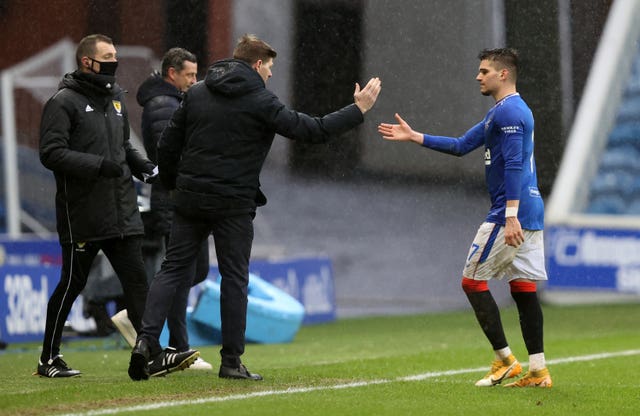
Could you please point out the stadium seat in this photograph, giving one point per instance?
(634, 207)
(625, 133)
(633, 86)
(607, 204)
(634, 191)
(620, 158)
(629, 109)
(612, 183)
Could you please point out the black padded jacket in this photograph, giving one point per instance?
(84, 123)
(159, 100)
(213, 149)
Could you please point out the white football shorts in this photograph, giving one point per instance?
(491, 258)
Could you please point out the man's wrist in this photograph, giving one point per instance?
(511, 212)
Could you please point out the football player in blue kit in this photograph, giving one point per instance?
(509, 243)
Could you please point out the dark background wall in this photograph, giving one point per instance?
(328, 42)
(587, 22)
(424, 54)
(533, 28)
(203, 26)
(332, 47)
(396, 231)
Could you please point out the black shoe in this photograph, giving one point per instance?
(55, 368)
(139, 364)
(240, 373)
(169, 360)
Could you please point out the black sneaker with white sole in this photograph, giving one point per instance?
(54, 368)
(170, 360)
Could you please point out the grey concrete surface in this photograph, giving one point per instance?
(396, 248)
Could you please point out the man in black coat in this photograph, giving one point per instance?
(160, 95)
(84, 140)
(212, 153)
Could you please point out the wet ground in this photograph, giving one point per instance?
(395, 247)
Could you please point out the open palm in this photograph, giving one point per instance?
(398, 132)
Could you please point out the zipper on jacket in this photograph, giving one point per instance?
(117, 187)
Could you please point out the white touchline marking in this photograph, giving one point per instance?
(294, 390)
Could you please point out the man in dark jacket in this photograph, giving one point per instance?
(212, 153)
(160, 95)
(84, 140)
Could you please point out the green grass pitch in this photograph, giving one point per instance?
(400, 365)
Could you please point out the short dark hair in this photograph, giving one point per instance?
(174, 58)
(87, 46)
(250, 49)
(506, 57)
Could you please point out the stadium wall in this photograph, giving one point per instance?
(593, 256)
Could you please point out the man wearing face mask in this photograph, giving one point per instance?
(84, 140)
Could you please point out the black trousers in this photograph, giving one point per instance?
(125, 256)
(177, 318)
(233, 237)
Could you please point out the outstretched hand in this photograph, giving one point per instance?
(366, 98)
(401, 132)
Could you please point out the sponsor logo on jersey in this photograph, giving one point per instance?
(487, 157)
(511, 129)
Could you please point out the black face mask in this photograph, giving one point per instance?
(106, 68)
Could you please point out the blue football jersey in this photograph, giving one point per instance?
(510, 170)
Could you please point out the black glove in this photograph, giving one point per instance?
(149, 168)
(151, 175)
(109, 169)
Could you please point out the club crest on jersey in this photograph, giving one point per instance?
(80, 246)
(118, 106)
(487, 157)
(487, 123)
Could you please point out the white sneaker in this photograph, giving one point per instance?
(200, 364)
(124, 325)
